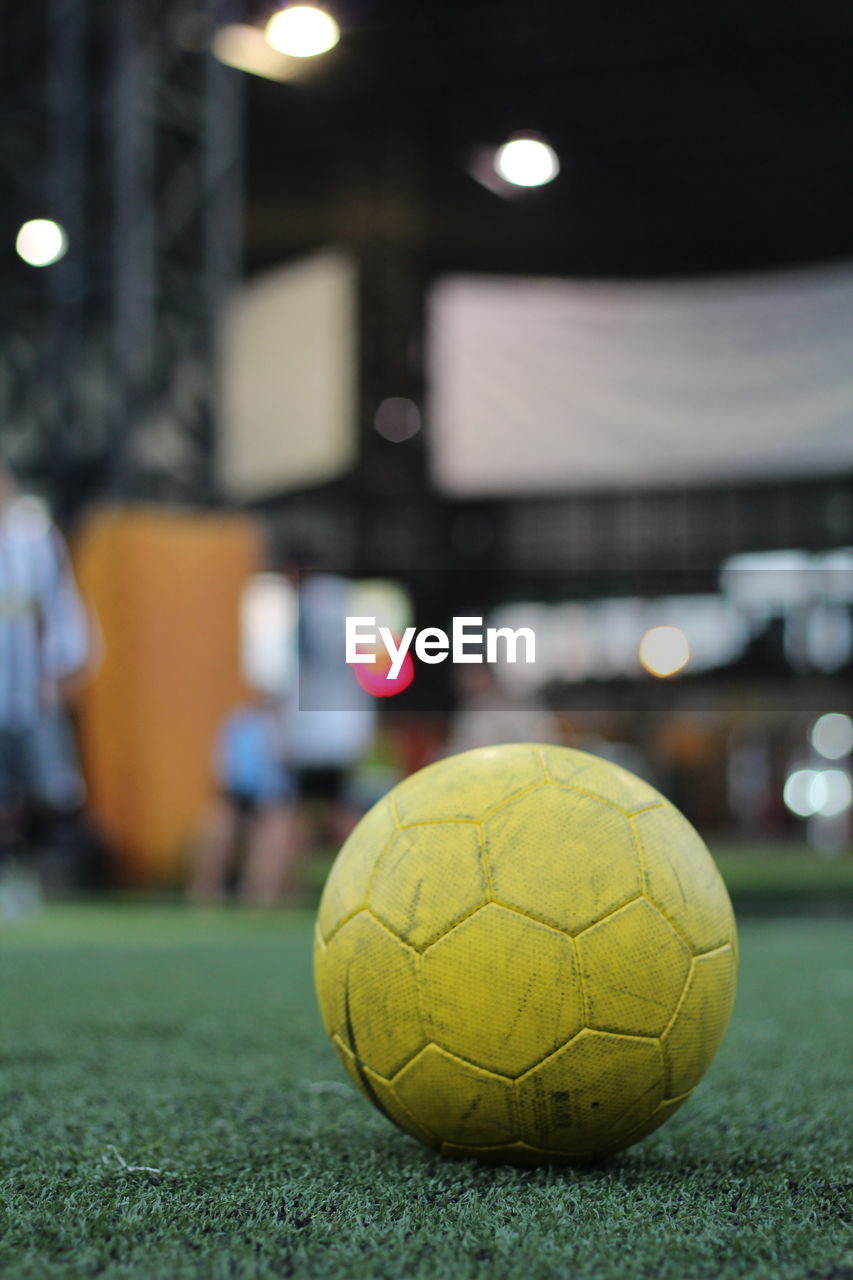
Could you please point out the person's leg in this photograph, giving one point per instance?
(54, 778)
(55, 793)
(276, 844)
(11, 832)
(329, 788)
(20, 890)
(213, 850)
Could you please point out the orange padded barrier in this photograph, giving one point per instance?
(165, 588)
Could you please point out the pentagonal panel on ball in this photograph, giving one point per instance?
(682, 878)
(634, 967)
(431, 877)
(565, 858)
(501, 990)
(466, 786)
(601, 778)
(367, 988)
(455, 1100)
(590, 1092)
(346, 887)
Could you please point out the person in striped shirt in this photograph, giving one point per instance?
(45, 644)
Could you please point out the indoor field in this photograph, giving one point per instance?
(172, 1107)
(426, 640)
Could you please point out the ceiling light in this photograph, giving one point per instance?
(302, 31)
(527, 162)
(41, 241)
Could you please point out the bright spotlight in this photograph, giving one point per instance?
(832, 735)
(302, 31)
(41, 241)
(526, 162)
(664, 650)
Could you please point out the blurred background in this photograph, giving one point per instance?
(541, 313)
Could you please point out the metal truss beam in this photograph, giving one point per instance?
(128, 132)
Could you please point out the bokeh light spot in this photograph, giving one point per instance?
(798, 792)
(831, 793)
(828, 792)
(41, 241)
(397, 419)
(832, 735)
(664, 651)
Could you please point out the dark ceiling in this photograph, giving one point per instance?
(693, 138)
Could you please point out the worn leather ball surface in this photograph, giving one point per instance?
(525, 953)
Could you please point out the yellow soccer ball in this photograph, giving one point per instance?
(525, 953)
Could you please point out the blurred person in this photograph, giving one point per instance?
(285, 764)
(328, 720)
(45, 651)
(253, 804)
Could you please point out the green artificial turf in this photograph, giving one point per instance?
(189, 1043)
(785, 873)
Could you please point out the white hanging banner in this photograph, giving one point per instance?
(289, 377)
(546, 385)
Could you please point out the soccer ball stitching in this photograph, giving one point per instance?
(591, 1025)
